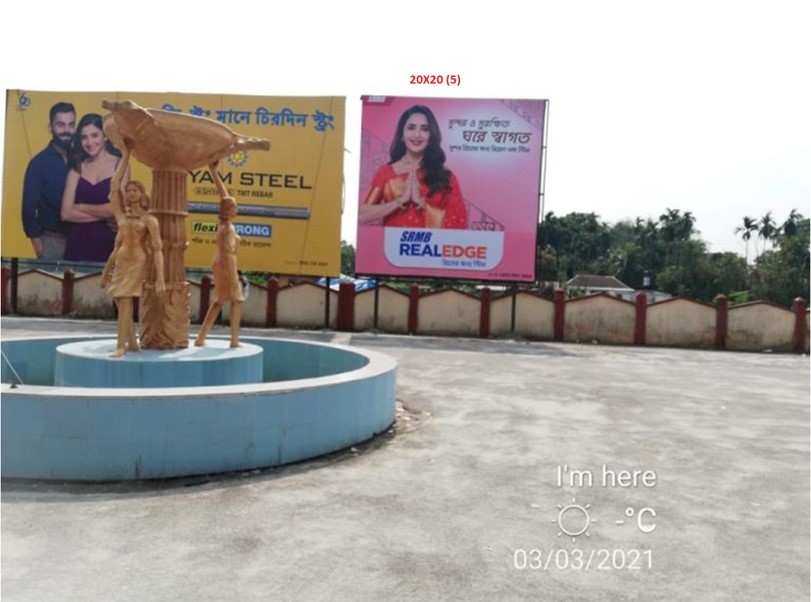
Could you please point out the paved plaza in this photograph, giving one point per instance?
(515, 471)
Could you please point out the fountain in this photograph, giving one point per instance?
(312, 399)
(70, 411)
(171, 144)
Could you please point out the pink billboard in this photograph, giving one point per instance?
(449, 187)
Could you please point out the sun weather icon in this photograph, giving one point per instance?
(573, 520)
(237, 159)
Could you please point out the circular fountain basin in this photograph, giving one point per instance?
(313, 398)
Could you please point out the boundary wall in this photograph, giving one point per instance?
(598, 318)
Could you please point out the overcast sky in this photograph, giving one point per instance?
(699, 106)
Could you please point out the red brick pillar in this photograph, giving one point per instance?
(413, 308)
(721, 321)
(560, 314)
(346, 306)
(273, 295)
(800, 325)
(205, 296)
(640, 327)
(6, 278)
(67, 291)
(484, 317)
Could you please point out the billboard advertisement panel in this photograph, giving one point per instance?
(289, 197)
(449, 187)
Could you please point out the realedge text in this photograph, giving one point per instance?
(418, 244)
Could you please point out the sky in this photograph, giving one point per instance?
(697, 106)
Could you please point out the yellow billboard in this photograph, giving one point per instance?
(289, 197)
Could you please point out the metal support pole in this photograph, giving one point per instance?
(326, 304)
(377, 302)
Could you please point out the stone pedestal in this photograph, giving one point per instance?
(88, 364)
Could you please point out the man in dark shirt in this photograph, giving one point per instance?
(44, 184)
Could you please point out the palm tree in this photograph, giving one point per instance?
(676, 229)
(790, 225)
(749, 226)
(677, 225)
(768, 229)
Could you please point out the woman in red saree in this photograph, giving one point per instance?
(414, 189)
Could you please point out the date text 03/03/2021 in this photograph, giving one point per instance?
(576, 559)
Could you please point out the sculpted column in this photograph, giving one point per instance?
(165, 319)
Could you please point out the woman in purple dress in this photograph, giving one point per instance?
(85, 203)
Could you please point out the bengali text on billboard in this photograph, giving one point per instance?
(289, 197)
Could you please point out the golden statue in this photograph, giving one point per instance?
(170, 144)
(138, 240)
(227, 285)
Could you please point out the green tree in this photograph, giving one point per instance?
(749, 226)
(681, 251)
(724, 274)
(688, 273)
(578, 240)
(677, 226)
(789, 227)
(767, 229)
(670, 249)
(781, 275)
(636, 248)
(547, 261)
(347, 258)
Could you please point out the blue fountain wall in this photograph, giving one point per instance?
(316, 399)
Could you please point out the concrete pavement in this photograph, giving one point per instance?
(503, 479)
